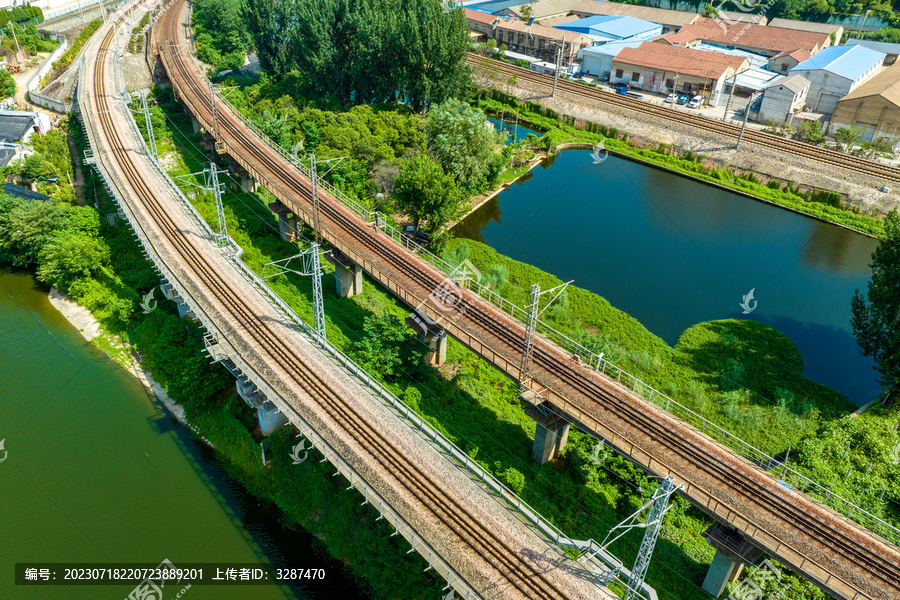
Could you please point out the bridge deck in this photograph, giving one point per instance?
(826, 547)
(485, 544)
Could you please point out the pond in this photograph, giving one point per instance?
(673, 252)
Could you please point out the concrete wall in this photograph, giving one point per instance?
(825, 89)
(34, 83)
(877, 116)
(779, 102)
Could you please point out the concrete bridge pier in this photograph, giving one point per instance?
(289, 225)
(348, 274)
(433, 336)
(249, 184)
(269, 417)
(183, 309)
(550, 437)
(195, 124)
(733, 552)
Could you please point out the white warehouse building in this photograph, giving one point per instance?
(835, 72)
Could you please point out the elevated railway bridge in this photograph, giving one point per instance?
(780, 513)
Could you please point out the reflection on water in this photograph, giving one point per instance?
(672, 253)
(97, 471)
(514, 132)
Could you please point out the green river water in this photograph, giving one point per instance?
(96, 470)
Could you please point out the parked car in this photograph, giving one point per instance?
(695, 102)
(671, 98)
(417, 235)
(684, 98)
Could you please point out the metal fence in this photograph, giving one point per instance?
(785, 473)
(614, 569)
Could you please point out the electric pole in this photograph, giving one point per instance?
(559, 55)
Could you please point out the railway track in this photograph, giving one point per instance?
(868, 560)
(593, 97)
(519, 574)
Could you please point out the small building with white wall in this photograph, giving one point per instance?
(598, 60)
(835, 72)
(784, 98)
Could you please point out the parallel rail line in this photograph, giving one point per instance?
(519, 573)
(865, 561)
(599, 97)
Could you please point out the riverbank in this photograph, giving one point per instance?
(91, 330)
(862, 190)
(562, 130)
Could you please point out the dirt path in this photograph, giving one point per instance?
(22, 78)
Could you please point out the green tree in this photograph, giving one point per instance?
(876, 317)
(460, 141)
(710, 11)
(25, 226)
(526, 11)
(387, 345)
(809, 132)
(70, 255)
(7, 84)
(423, 192)
(848, 136)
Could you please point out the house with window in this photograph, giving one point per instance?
(766, 41)
(662, 69)
(526, 37)
(784, 98)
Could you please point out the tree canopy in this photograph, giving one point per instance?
(364, 51)
(876, 317)
(222, 36)
(460, 140)
(424, 193)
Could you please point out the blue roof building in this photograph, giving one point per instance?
(492, 6)
(606, 28)
(835, 72)
(598, 60)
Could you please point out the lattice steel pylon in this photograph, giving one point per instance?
(653, 524)
(528, 351)
(315, 198)
(150, 136)
(315, 269)
(213, 185)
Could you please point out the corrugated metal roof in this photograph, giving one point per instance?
(850, 62)
(756, 79)
(610, 49)
(607, 26)
(886, 47)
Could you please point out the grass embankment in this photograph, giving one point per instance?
(63, 62)
(560, 129)
(585, 492)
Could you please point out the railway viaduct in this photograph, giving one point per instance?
(780, 514)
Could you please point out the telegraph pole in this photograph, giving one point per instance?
(744, 124)
(151, 138)
(559, 55)
(315, 198)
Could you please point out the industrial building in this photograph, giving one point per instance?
(784, 99)
(874, 107)
(830, 28)
(540, 41)
(661, 68)
(835, 72)
(605, 28)
(598, 60)
(765, 41)
(888, 48)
